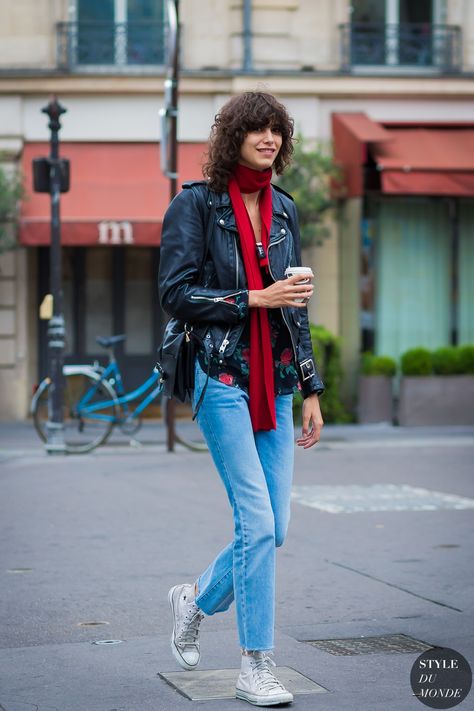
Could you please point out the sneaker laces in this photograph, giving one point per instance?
(265, 678)
(190, 630)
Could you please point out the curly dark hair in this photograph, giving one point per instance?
(246, 112)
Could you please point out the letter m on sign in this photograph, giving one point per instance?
(111, 232)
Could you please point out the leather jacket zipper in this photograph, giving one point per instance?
(215, 299)
(277, 241)
(224, 345)
(236, 264)
(225, 341)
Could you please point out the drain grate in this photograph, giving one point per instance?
(220, 683)
(383, 644)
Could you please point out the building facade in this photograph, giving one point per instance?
(397, 268)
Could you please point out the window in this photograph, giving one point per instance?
(114, 33)
(400, 33)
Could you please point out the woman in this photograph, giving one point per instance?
(256, 351)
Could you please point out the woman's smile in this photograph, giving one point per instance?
(260, 148)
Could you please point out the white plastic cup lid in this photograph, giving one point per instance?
(300, 271)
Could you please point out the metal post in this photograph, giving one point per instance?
(247, 35)
(169, 148)
(56, 331)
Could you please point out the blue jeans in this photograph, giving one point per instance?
(257, 471)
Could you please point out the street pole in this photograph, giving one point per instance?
(169, 146)
(56, 330)
(247, 65)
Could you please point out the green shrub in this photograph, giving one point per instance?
(327, 351)
(446, 360)
(466, 359)
(416, 361)
(377, 365)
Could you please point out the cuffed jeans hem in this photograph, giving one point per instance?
(202, 604)
(213, 595)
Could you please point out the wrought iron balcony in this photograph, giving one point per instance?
(412, 46)
(109, 45)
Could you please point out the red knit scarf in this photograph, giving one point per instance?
(261, 386)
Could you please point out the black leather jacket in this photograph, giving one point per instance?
(210, 306)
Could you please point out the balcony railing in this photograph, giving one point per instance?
(105, 45)
(412, 46)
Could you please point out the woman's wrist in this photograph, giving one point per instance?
(255, 299)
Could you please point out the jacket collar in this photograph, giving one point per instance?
(226, 217)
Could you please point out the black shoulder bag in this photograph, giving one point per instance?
(177, 353)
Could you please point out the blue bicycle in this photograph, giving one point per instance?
(95, 401)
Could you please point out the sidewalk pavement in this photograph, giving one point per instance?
(380, 543)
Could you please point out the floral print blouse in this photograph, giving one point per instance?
(234, 370)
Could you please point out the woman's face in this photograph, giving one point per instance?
(260, 148)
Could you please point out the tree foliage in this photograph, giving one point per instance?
(311, 179)
(11, 192)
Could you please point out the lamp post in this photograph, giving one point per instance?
(56, 330)
(169, 146)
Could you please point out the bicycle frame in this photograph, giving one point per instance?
(112, 372)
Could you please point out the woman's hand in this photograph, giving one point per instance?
(312, 422)
(282, 293)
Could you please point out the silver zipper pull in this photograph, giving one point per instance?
(223, 346)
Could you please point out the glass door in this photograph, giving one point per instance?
(96, 32)
(145, 31)
(368, 18)
(416, 36)
(393, 32)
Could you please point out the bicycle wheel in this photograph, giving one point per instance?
(86, 423)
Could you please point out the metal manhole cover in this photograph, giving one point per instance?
(220, 683)
(384, 644)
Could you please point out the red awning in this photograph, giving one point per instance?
(352, 132)
(118, 193)
(427, 161)
(424, 160)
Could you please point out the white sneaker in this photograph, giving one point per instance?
(186, 620)
(257, 684)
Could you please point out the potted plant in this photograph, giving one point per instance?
(375, 398)
(437, 388)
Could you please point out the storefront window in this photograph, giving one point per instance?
(68, 299)
(98, 296)
(367, 278)
(138, 304)
(413, 275)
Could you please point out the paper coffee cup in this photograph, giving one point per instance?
(306, 274)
